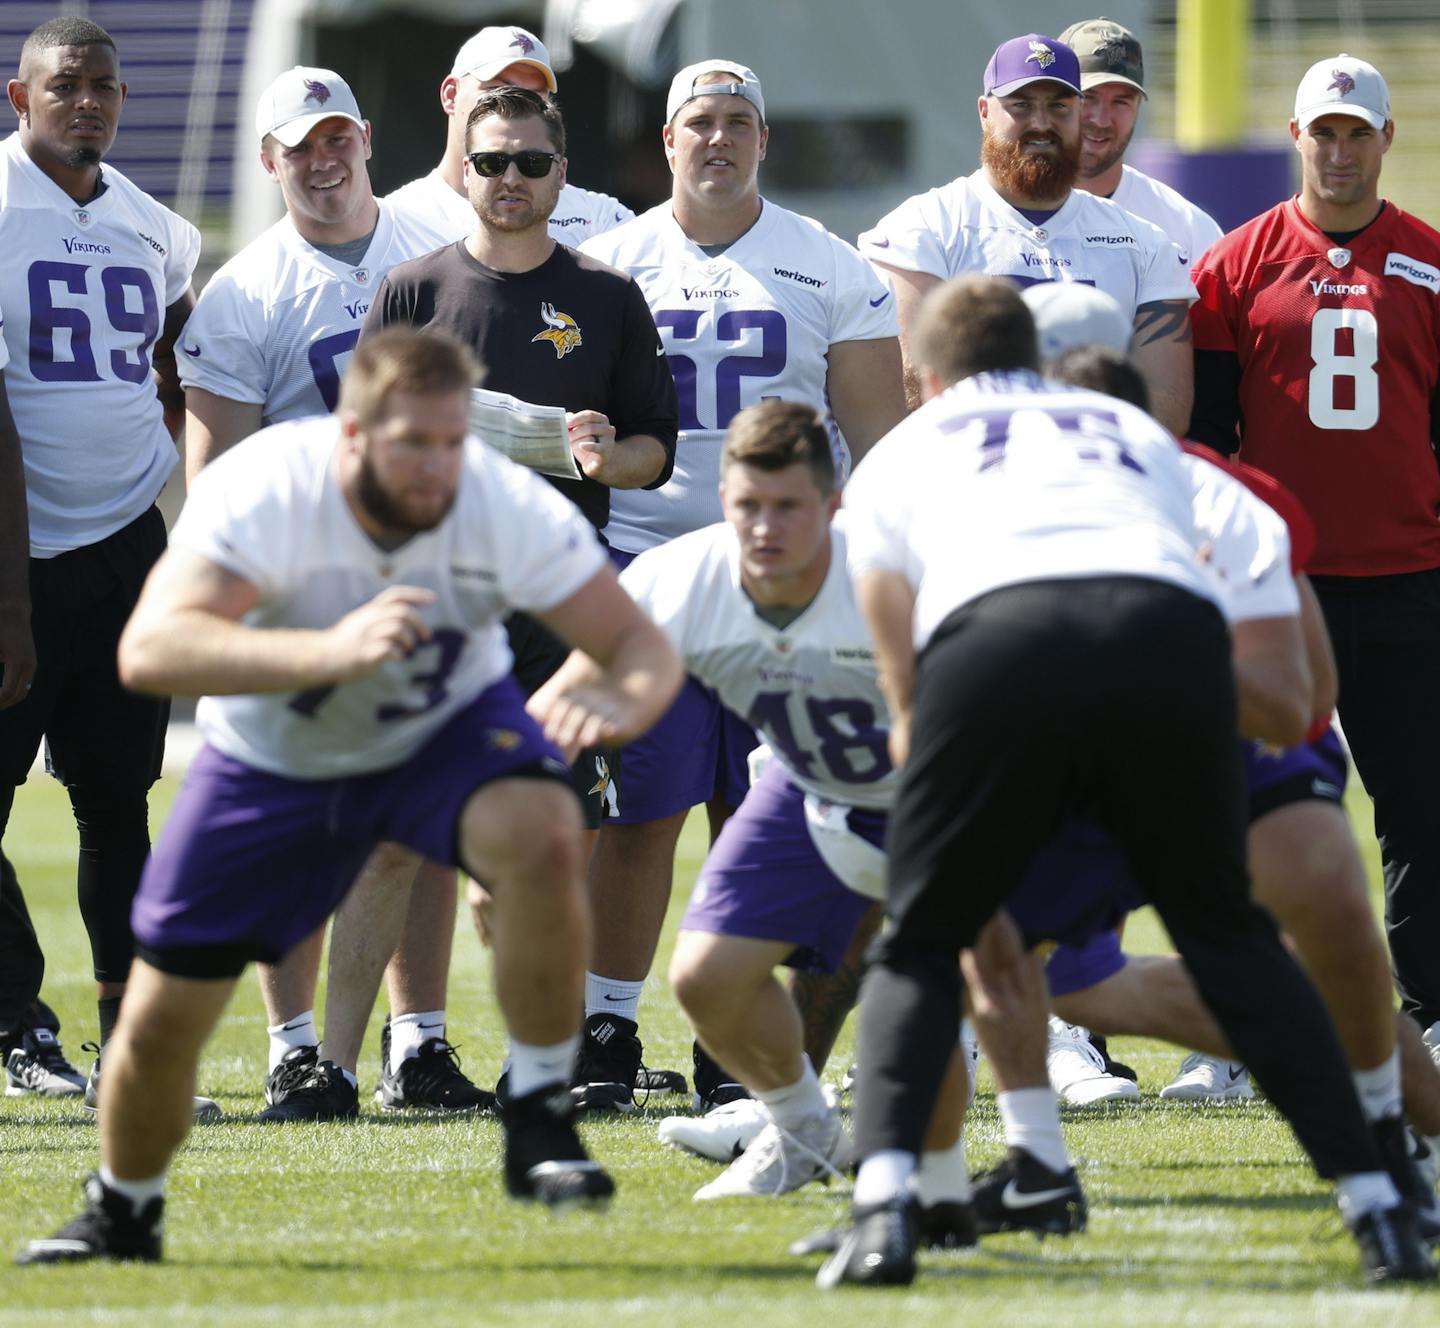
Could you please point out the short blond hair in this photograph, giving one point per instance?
(404, 359)
(775, 435)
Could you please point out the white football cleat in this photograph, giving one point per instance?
(779, 1161)
(1077, 1069)
(721, 1134)
(1205, 1079)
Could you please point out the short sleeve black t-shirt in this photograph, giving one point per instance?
(571, 332)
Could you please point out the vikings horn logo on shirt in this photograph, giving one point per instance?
(561, 331)
(1344, 83)
(1041, 54)
(316, 91)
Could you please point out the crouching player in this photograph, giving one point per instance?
(334, 588)
(761, 610)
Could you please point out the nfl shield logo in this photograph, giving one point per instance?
(361, 275)
(1339, 257)
(82, 216)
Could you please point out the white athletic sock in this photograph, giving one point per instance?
(883, 1176)
(1379, 1088)
(796, 1102)
(1032, 1122)
(943, 1176)
(297, 1032)
(139, 1192)
(409, 1031)
(611, 996)
(532, 1068)
(1364, 1192)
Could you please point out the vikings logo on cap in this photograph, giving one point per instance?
(521, 39)
(1344, 83)
(316, 91)
(561, 331)
(1041, 54)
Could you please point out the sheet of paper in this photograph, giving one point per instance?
(535, 436)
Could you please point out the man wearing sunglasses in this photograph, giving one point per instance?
(495, 57)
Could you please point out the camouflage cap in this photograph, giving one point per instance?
(1109, 53)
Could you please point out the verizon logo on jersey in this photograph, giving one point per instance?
(1337, 288)
(1413, 270)
(800, 277)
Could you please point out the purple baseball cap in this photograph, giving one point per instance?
(1031, 59)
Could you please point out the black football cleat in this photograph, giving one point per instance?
(878, 1248)
(1023, 1194)
(109, 1228)
(544, 1158)
(322, 1094)
(1391, 1247)
(948, 1225)
(432, 1081)
(608, 1064)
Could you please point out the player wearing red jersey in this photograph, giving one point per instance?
(1317, 339)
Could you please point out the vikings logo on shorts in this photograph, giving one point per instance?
(1344, 83)
(1041, 54)
(502, 740)
(522, 40)
(561, 331)
(316, 91)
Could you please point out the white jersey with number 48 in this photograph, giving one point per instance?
(756, 321)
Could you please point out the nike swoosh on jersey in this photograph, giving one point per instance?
(875, 304)
(193, 353)
(659, 350)
(881, 244)
(1014, 1197)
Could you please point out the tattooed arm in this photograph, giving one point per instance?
(1161, 351)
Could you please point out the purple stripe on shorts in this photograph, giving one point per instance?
(765, 880)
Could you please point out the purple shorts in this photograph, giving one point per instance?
(1077, 887)
(250, 863)
(695, 753)
(765, 879)
(1315, 771)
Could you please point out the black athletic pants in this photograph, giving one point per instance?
(1386, 631)
(103, 743)
(1113, 698)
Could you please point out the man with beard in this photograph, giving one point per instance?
(1020, 216)
(95, 288)
(1112, 85)
(334, 593)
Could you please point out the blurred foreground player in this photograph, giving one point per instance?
(336, 588)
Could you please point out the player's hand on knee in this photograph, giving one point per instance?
(387, 627)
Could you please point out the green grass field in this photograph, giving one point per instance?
(1197, 1215)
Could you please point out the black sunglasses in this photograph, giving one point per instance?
(532, 164)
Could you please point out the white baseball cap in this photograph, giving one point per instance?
(1070, 313)
(494, 49)
(744, 84)
(1343, 85)
(299, 99)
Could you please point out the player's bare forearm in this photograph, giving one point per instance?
(167, 371)
(213, 425)
(1161, 350)
(635, 462)
(888, 603)
(865, 382)
(1319, 653)
(910, 289)
(17, 645)
(1272, 677)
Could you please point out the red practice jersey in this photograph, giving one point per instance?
(1339, 351)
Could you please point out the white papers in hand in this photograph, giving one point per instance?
(535, 436)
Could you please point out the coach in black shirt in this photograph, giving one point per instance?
(550, 326)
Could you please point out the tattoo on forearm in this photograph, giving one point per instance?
(1162, 320)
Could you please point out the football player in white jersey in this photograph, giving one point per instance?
(95, 287)
(1090, 554)
(1112, 83)
(335, 591)
(751, 301)
(268, 342)
(1020, 216)
(495, 57)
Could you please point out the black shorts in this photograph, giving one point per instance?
(95, 731)
(538, 655)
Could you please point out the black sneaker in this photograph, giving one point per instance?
(714, 1085)
(649, 1081)
(1023, 1194)
(544, 1158)
(324, 1094)
(1391, 1248)
(207, 1110)
(878, 1249)
(38, 1065)
(608, 1065)
(109, 1228)
(1118, 1068)
(431, 1080)
(1392, 1141)
(292, 1071)
(948, 1225)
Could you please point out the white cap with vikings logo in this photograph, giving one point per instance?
(743, 83)
(1342, 85)
(299, 99)
(493, 50)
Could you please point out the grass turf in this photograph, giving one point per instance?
(1197, 1215)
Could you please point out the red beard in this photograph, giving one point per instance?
(1043, 177)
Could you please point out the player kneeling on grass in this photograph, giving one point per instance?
(761, 610)
(334, 588)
